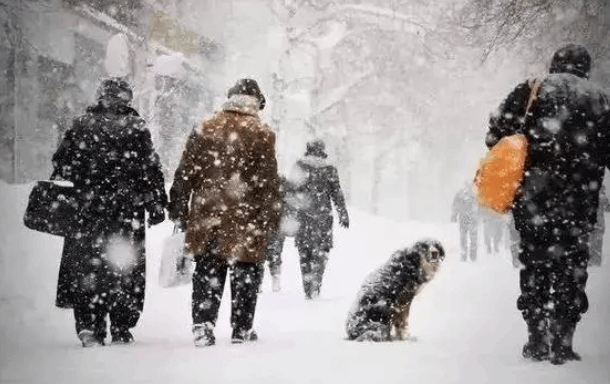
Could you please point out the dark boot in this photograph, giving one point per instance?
(537, 346)
(561, 344)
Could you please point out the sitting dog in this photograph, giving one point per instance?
(381, 310)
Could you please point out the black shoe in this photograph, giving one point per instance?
(239, 336)
(123, 337)
(561, 345)
(536, 351)
(537, 346)
(88, 339)
(203, 335)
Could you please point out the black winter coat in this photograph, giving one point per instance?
(316, 184)
(108, 154)
(568, 131)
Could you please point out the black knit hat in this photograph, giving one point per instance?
(117, 89)
(316, 148)
(572, 59)
(248, 87)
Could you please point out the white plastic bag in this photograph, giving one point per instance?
(175, 269)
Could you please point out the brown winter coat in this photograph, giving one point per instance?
(226, 187)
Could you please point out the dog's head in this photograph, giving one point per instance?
(431, 254)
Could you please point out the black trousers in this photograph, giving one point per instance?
(313, 264)
(553, 279)
(109, 287)
(208, 286)
(274, 253)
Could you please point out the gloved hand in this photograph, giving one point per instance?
(182, 265)
(179, 226)
(344, 221)
(156, 215)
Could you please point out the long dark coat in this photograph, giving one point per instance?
(568, 134)
(108, 154)
(316, 183)
(226, 187)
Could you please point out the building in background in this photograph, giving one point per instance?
(55, 53)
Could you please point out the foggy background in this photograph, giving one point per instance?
(400, 90)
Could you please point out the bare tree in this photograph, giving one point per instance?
(540, 26)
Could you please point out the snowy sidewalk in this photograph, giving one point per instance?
(468, 328)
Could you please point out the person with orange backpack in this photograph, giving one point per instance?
(567, 129)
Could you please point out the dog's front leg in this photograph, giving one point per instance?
(400, 321)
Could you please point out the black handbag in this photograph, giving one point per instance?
(54, 208)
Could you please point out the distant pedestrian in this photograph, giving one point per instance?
(465, 212)
(287, 228)
(494, 230)
(316, 183)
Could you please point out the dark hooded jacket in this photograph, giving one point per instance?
(108, 154)
(568, 131)
(316, 184)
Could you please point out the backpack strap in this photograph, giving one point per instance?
(534, 87)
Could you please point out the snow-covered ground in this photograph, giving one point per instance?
(467, 326)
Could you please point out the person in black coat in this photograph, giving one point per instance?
(316, 184)
(567, 130)
(108, 155)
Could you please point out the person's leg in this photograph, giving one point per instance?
(306, 263)
(463, 242)
(92, 296)
(318, 267)
(208, 285)
(569, 299)
(487, 237)
(534, 299)
(474, 241)
(245, 279)
(274, 258)
(127, 305)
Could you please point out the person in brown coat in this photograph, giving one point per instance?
(226, 196)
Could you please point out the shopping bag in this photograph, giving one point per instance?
(54, 208)
(175, 269)
(500, 174)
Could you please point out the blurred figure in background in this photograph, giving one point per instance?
(316, 184)
(465, 212)
(494, 231)
(288, 228)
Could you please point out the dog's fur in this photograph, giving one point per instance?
(381, 310)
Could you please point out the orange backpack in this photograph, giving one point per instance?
(500, 173)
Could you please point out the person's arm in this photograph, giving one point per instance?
(182, 186)
(68, 158)
(155, 197)
(507, 120)
(267, 187)
(337, 197)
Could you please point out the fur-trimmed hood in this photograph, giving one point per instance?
(315, 161)
(245, 104)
